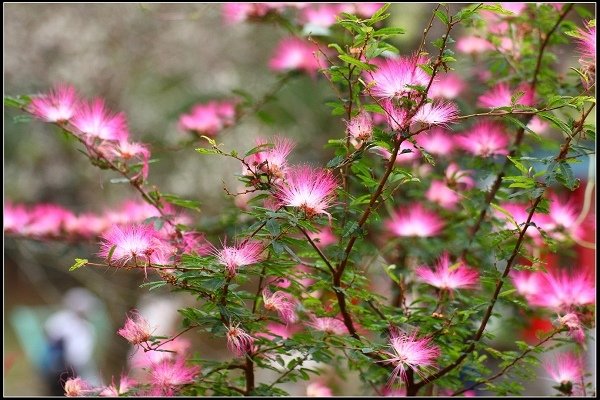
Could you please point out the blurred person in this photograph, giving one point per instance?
(70, 341)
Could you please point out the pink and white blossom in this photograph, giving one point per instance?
(587, 44)
(239, 255)
(360, 128)
(329, 325)
(125, 384)
(566, 367)
(572, 321)
(239, 342)
(272, 160)
(95, 121)
(448, 277)
(438, 113)
(133, 242)
(414, 220)
(309, 189)
(473, 45)
(318, 389)
(281, 302)
(447, 86)
(167, 375)
(437, 141)
(295, 54)
(501, 96)
(485, 139)
(209, 118)
(563, 291)
(393, 78)
(58, 105)
(410, 353)
(77, 387)
(528, 283)
(238, 12)
(440, 193)
(323, 238)
(136, 329)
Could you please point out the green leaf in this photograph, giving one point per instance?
(273, 227)
(185, 203)
(442, 16)
(390, 31)
(353, 61)
(203, 150)
(110, 254)
(79, 262)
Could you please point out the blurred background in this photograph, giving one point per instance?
(152, 61)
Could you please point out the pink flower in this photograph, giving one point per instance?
(16, 218)
(410, 353)
(519, 214)
(295, 54)
(501, 96)
(195, 242)
(318, 389)
(537, 125)
(563, 291)
(394, 76)
(46, 220)
(86, 225)
(485, 139)
(441, 194)
(272, 160)
(136, 329)
(58, 105)
(527, 283)
(239, 255)
(330, 325)
(365, 10)
(448, 277)
(396, 117)
(312, 190)
(238, 341)
(125, 384)
(587, 44)
(208, 119)
(571, 320)
(167, 374)
(126, 151)
(414, 220)
(436, 141)
(473, 45)
(447, 86)
(239, 12)
(134, 242)
(360, 128)
(283, 303)
(94, 120)
(457, 178)
(567, 367)
(177, 348)
(274, 329)
(319, 15)
(563, 218)
(77, 387)
(323, 238)
(439, 113)
(407, 153)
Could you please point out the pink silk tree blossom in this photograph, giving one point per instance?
(414, 220)
(448, 277)
(58, 105)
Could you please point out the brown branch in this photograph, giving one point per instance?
(513, 363)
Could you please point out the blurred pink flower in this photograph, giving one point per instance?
(587, 43)
(447, 86)
(329, 325)
(360, 128)
(562, 291)
(485, 139)
(310, 189)
(396, 117)
(473, 45)
(501, 96)
(437, 141)
(318, 389)
(239, 255)
(273, 329)
(572, 321)
(528, 283)
(208, 119)
(537, 125)
(407, 153)
(457, 178)
(281, 302)
(58, 105)
(133, 242)
(126, 151)
(295, 54)
(271, 160)
(16, 217)
(239, 12)
(448, 277)
(566, 367)
(77, 387)
(563, 219)
(441, 194)
(93, 120)
(409, 352)
(125, 384)
(324, 237)
(519, 214)
(46, 220)
(136, 329)
(174, 349)
(414, 220)
(394, 76)
(319, 15)
(166, 375)
(238, 341)
(195, 242)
